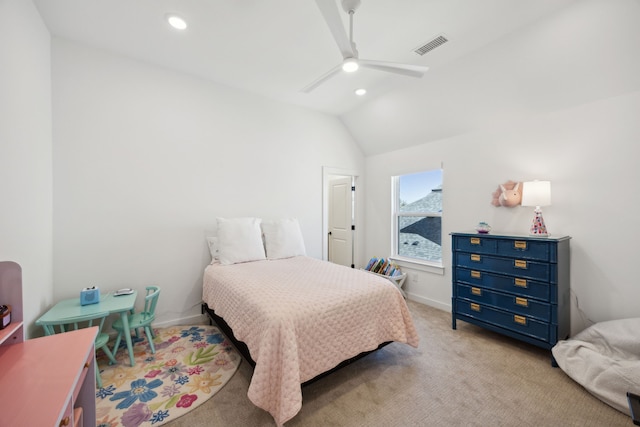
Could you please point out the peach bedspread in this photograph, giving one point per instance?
(300, 317)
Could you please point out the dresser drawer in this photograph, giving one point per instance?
(525, 249)
(513, 267)
(511, 303)
(475, 244)
(515, 285)
(514, 322)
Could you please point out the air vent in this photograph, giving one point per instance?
(430, 45)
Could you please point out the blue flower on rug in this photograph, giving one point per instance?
(105, 391)
(195, 333)
(215, 338)
(140, 389)
(159, 416)
(134, 340)
(182, 380)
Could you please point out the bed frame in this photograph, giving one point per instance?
(244, 350)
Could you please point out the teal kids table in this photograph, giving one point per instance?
(72, 310)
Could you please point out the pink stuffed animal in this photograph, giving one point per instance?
(508, 195)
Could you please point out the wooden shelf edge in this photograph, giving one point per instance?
(398, 277)
(10, 332)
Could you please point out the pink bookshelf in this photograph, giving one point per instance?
(11, 294)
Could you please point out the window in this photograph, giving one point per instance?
(417, 216)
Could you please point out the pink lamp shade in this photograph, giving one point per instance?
(537, 193)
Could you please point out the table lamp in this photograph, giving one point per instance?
(537, 193)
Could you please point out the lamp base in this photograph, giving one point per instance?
(538, 228)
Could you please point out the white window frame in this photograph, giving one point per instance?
(412, 263)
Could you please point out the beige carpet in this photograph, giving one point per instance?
(466, 377)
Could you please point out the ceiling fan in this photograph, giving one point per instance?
(350, 60)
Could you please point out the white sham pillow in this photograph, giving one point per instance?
(283, 238)
(239, 240)
(212, 241)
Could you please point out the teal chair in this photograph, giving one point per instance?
(142, 319)
(79, 322)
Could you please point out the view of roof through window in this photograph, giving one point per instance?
(420, 235)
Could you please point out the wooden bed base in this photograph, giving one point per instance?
(244, 350)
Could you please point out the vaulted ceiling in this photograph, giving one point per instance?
(277, 47)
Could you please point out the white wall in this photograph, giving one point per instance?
(25, 153)
(145, 159)
(590, 157)
(576, 125)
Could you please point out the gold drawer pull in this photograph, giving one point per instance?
(86, 365)
(518, 244)
(520, 264)
(475, 307)
(475, 257)
(521, 320)
(520, 282)
(65, 421)
(475, 274)
(476, 291)
(474, 241)
(522, 301)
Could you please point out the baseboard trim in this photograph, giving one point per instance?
(198, 319)
(429, 302)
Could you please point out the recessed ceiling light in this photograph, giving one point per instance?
(360, 92)
(176, 21)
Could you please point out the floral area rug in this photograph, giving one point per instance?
(190, 365)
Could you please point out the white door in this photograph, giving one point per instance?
(341, 221)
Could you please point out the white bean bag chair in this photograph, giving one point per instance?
(605, 360)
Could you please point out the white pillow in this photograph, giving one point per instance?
(239, 240)
(212, 241)
(283, 238)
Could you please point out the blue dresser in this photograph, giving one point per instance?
(514, 285)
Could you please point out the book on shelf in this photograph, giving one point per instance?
(378, 265)
(370, 264)
(373, 263)
(383, 266)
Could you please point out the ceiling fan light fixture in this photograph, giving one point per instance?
(176, 21)
(347, 46)
(361, 92)
(350, 65)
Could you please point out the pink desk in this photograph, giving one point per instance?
(43, 380)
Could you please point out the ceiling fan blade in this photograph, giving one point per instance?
(331, 15)
(394, 67)
(322, 79)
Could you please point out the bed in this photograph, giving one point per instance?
(300, 317)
